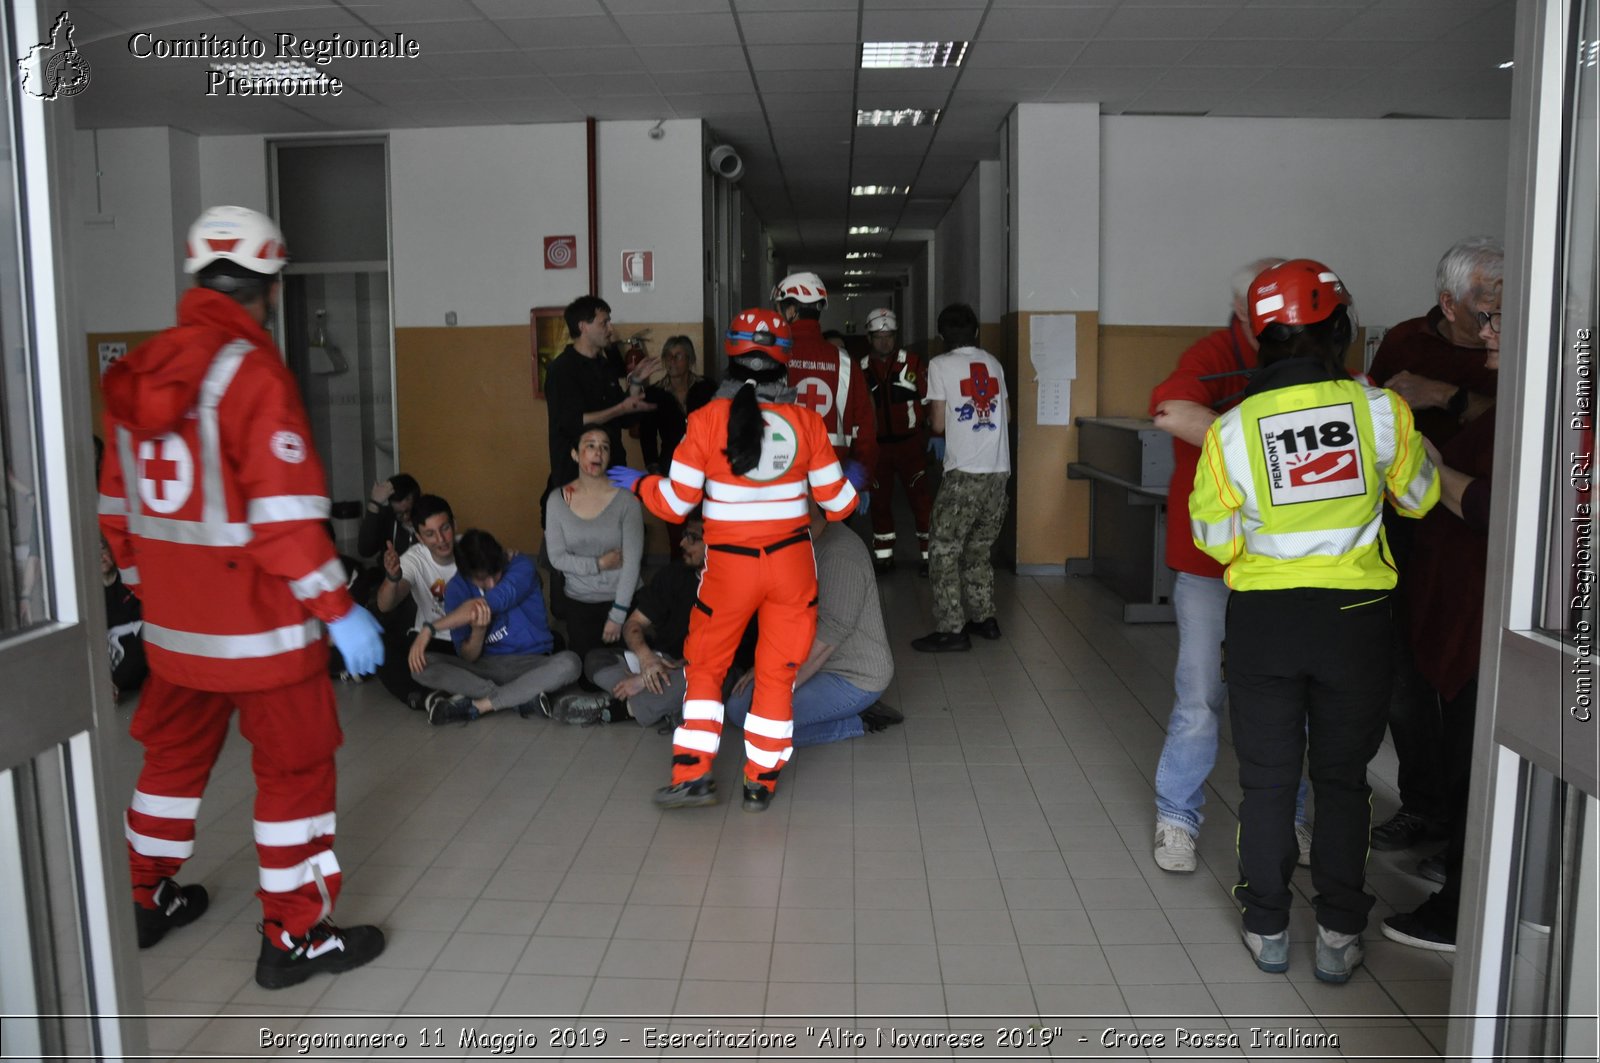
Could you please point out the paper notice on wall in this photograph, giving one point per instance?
(1054, 352)
(1054, 347)
(1055, 402)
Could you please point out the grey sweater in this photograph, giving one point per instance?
(575, 545)
(849, 615)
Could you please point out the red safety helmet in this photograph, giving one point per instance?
(1299, 292)
(758, 331)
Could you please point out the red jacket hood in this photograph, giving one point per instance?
(154, 387)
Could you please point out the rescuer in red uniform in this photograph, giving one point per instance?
(895, 377)
(751, 459)
(213, 502)
(825, 378)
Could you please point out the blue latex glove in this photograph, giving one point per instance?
(863, 503)
(936, 448)
(857, 474)
(360, 640)
(624, 477)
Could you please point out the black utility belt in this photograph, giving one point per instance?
(757, 551)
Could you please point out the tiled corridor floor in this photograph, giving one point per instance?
(985, 865)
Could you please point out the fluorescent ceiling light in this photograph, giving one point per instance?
(906, 55)
(867, 230)
(905, 116)
(1507, 65)
(293, 70)
(859, 273)
(879, 190)
(864, 254)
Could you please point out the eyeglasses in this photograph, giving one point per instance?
(1485, 317)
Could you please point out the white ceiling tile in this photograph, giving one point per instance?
(660, 7)
(507, 88)
(521, 112)
(1008, 55)
(1233, 53)
(688, 83)
(1481, 56)
(1176, 102)
(295, 21)
(1344, 53)
(1021, 79)
(505, 62)
(157, 15)
(712, 105)
(1132, 53)
(616, 83)
(1292, 24)
(1045, 23)
(781, 81)
(1207, 78)
(404, 92)
(894, 101)
(435, 37)
(1106, 80)
(920, 24)
(1163, 22)
(1408, 20)
(794, 27)
(415, 10)
(1498, 23)
(756, 7)
(709, 59)
(498, 9)
(934, 81)
(596, 63)
(681, 29)
(804, 56)
(581, 32)
(626, 108)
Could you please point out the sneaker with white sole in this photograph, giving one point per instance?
(1174, 848)
(1270, 951)
(1302, 838)
(1418, 931)
(1338, 955)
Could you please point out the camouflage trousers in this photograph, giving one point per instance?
(967, 514)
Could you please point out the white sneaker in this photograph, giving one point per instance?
(1302, 837)
(1174, 848)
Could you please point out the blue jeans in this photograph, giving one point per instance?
(1190, 751)
(827, 708)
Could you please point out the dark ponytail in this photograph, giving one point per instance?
(744, 432)
(746, 428)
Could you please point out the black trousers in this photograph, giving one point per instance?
(1417, 727)
(1306, 665)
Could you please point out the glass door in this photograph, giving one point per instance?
(1526, 978)
(66, 964)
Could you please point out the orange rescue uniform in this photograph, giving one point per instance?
(758, 563)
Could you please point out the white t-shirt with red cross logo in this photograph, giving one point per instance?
(972, 386)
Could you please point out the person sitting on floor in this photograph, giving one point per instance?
(836, 690)
(420, 575)
(388, 518)
(495, 615)
(649, 674)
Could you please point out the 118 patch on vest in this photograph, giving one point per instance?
(1312, 455)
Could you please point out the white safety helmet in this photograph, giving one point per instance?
(239, 235)
(882, 320)
(802, 288)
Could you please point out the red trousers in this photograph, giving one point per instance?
(780, 588)
(293, 731)
(908, 460)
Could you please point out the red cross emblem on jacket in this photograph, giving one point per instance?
(982, 389)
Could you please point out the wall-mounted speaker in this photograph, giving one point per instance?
(725, 162)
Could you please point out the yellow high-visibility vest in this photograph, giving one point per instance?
(1290, 486)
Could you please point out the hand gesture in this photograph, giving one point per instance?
(417, 658)
(609, 560)
(611, 632)
(391, 560)
(629, 687)
(382, 491)
(1420, 392)
(635, 404)
(654, 675)
(646, 368)
(479, 615)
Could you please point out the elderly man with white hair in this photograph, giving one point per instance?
(1437, 364)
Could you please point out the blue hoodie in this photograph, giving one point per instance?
(517, 624)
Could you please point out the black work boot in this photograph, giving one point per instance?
(692, 794)
(175, 906)
(324, 947)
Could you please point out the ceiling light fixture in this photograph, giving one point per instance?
(879, 190)
(859, 273)
(1508, 64)
(864, 254)
(904, 116)
(867, 230)
(291, 70)
(909, 55)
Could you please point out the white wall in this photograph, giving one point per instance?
(469, 209)
(1188, 200)
(972, 245)
(129, 260)
(233, 172)
(1055, 206)
(651, 200)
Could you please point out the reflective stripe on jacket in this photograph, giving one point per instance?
(1290, 486)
